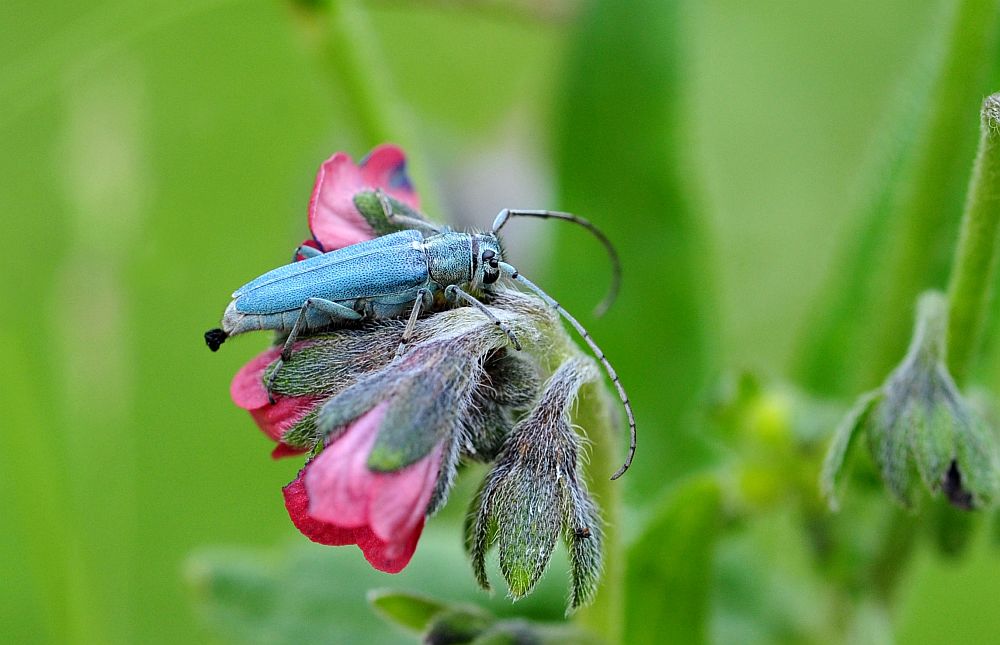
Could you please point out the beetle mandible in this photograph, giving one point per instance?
(389, 275)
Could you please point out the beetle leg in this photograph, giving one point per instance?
(400, 220)
(421, 301)
(334, 311)
(306, 252)
(453, 293)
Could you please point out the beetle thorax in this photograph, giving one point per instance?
(449, 258)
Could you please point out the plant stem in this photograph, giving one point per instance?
(976, 255)
(343, 41)
(912, 205)
(926, 194)
(606, 616)
(890, 562)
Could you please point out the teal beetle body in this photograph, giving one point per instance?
(375, 279)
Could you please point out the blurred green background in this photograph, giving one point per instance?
(158, 154)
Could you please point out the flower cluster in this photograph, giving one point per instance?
(384, 432)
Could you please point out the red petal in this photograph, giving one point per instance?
(390, 508)
(338, 480)
(390, 557)
(385, 168)
(398, 500)
(276, 419)
(247, 391)
(284, 450)
(333, 219)
(297, 504)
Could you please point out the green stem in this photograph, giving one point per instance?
(346, 46)
(606, 616)
(908, 219)
(976, 255)
(889, 564)
(928, 191)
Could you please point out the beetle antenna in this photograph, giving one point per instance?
(616, 268)
(597, 352)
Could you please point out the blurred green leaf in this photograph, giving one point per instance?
(311, 593)
(406, 609)
(254, 597)
(670, 567)
(764, 589)
(618, 142)
(910, 216)
(522, 632)
(458, 626)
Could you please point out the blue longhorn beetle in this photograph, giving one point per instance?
(389, 275)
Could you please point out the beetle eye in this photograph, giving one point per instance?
(494, 263)
(490, 278)
(488, 255)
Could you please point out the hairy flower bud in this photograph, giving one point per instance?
(920, 429)
(535, 492)
(389, 431)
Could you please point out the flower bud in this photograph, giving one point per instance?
(919, 428)
(535, 492)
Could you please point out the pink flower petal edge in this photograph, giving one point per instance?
(247, 391)
(333, 219)
(337, 500)
(386, 557)
(385, 167)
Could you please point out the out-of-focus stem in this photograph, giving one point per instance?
(976, 255)
(938, 164)
(545, 11)
(344, 43)
(606, 616)
(863, 320)
(894, 551)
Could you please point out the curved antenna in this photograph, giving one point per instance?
(616, 267)
(597, 352)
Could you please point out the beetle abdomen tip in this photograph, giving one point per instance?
(214, 338)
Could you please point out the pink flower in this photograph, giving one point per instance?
(385, 434)
(334, 218)
(274, 419)
(337, 499)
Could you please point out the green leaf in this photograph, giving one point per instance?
(254, 597)
(978, 457)
(840, 444)
(890, 450)
(619, 163)
(670, 567)
(463, 625)
(406, 609)
(370, 207)
(519, 632)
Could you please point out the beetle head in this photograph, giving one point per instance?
(487, 259)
